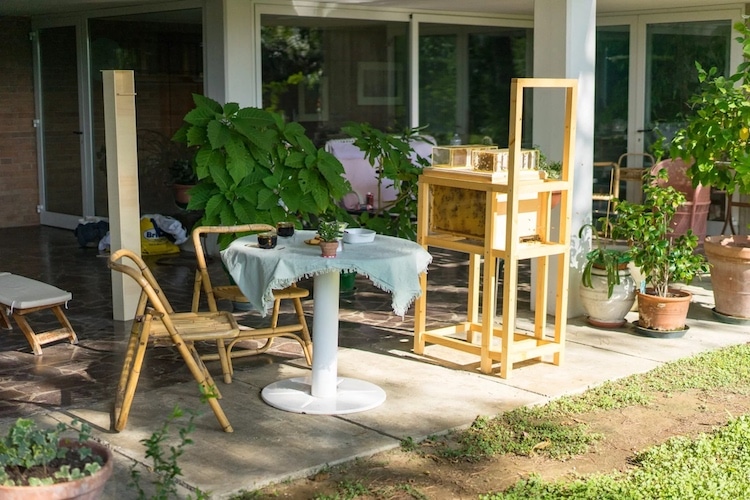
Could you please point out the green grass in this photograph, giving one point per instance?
(552, 430)
(711, 466)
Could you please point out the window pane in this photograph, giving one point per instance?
(464, 80)
(672, 50)
(327, 72)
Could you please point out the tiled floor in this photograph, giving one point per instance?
(68, 376)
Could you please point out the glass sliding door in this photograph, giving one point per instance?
(464, 80)
(60, 135)
(671, 77)
(164, 50)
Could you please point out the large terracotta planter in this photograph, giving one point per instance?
(729, 257)
(663, 313)
(603, 311)
(88, 488)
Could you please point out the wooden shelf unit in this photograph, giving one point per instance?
(527, 204)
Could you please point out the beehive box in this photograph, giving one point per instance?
(455, 156)
(462, 212)
(497, 160)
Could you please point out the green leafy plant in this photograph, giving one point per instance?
(32, 456)
(329, 230)
(164, 459)
(612, 260)
(553, 169)
(253, 167)
(183, 172)
(396, 164)
(716, 137)
(662, 258)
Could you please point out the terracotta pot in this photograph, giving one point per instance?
(181, 196)
(88, 488)
(663, 313)
(328, 248)
(603, 311)
(729, 257)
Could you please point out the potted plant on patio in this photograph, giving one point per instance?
(253, 167)
(662, 258)
(716, 138)
(607, 289)
(41, 463)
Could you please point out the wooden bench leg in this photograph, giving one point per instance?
(37, 340)
(4, 320)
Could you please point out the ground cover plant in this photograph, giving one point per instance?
(681, 430)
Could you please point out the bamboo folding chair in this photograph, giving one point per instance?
(297, 331)
(156, 323)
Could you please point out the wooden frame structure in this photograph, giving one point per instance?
(507, 199)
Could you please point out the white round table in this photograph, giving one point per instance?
(393, 264)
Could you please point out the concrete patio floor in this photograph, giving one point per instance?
(426, 395)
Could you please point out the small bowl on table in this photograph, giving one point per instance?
(359, 235)
(267, 240)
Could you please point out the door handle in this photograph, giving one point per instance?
(645, 130)
(78, 132)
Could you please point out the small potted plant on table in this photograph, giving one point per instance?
(607, 289)
(329, 233)
(662, 258)
(40, 463)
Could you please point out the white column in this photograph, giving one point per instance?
(230, 52)
(326, 333)
(122, 183)
(565, 47)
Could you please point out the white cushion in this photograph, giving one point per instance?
(19, 292)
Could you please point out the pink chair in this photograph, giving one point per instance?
(694, 213)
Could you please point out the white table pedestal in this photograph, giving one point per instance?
(324, 393)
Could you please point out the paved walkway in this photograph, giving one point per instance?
(425, 395)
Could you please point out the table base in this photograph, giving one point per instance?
(352, 395)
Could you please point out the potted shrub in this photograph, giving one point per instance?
(183, 179)
(253, 167)
(607, 289)
(329, 233)
(41, 463)
(716, 138)
(662, 258)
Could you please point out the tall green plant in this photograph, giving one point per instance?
(253, 167)
(646, 226)
(717, 134)
(396, 165)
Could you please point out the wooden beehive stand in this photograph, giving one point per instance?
(511, 202)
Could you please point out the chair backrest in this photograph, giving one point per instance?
(151, 293)
(202, 278)
(677, 170)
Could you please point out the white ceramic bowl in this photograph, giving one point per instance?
(359, 235)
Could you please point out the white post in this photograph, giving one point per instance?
(570, 24)
(122, 183)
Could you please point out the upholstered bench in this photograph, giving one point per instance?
(20, 296)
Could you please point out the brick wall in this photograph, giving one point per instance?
(19, 187)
